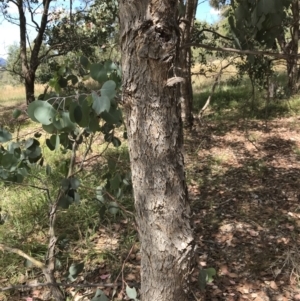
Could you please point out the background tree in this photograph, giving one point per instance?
(288, 40)
(188, 12)
(29, 65)
(14, 66)
(149, 44)
(268, 26)
(58, 32)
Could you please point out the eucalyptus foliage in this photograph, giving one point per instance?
(68, 119)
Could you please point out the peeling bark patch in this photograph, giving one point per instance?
(156, 41)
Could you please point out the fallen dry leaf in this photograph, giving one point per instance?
(232, 275)
(273, 285)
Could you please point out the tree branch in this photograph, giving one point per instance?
(34, 60)
(31, 15)
(217, 78)
(218, 34)
(238, 51)
(35, 262)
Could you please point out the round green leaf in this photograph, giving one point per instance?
(4, 135)
(14, 148)
(22, 171)
(73, 78)
(100, 104)
(41, 111)
(116, 142)
(28, 264)
(76, 269)
(29, 142)
(16, 113)
(76, 198)
(131, 292)
(65, 184)
(34, 153)
(94, 124)
(75, 112)
(50, 145)
(98, 72)
(84, 62)
(211, 272)
(99, 296)
(114, 116)
(8, 160)
(113, 208)
(50, 128)
(4, 174)
(84, 122)
(202, 278)
(110, 66)
(18, 178)
(111, 164)
(63, 82)
(65, 141)
(64, 122)
(75, 183)
(65, 201)
(109, 89)
(62, 70)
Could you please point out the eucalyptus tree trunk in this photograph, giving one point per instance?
(149, 35)
(186, 89)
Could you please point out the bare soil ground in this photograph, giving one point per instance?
(244, 182)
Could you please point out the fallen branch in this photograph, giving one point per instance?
(19, 252)
(217, 78)
(80, 285)
(123, 266)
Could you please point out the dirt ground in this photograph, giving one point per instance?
(244, 180)
(244, 183)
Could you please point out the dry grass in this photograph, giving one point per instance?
(211, 70)
(12, 94)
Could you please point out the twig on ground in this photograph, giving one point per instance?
(123, 266)
(19, 252)
(121, 206)
(80, 285)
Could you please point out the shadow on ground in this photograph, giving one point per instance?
(245, 193)
(6, 115)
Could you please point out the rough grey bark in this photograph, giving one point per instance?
(149, 44)
(186, 89)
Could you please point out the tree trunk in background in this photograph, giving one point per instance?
(291, 48)
(29, 86)
(149, 38)
(30, 65)
(292, 67)
(186, 89)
